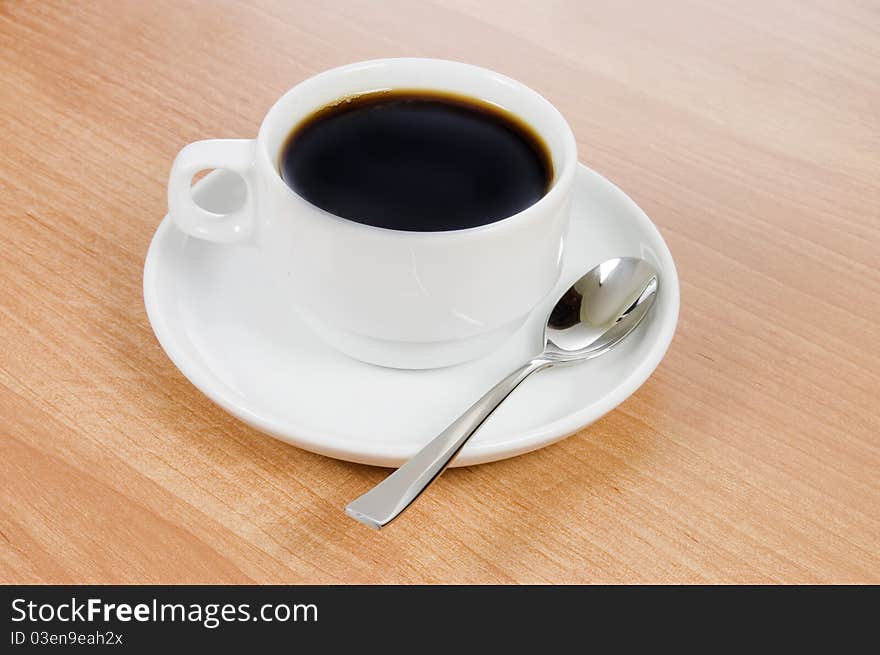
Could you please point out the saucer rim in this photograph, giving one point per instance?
(352, 449)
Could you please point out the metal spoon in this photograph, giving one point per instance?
(592, 317)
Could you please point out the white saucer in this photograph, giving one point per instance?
(212, 311)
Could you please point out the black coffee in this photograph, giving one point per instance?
(416, 160)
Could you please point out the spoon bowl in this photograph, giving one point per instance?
(600, 309)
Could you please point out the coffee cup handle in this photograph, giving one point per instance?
(236, 155)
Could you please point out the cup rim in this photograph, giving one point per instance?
(562, 179)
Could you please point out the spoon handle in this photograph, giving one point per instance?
(384, 502)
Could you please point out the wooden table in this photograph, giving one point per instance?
(747, 131)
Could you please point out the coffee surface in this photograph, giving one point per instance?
(416, 161)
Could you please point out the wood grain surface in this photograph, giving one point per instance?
(748, 131)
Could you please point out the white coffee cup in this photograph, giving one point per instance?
(389, 297)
